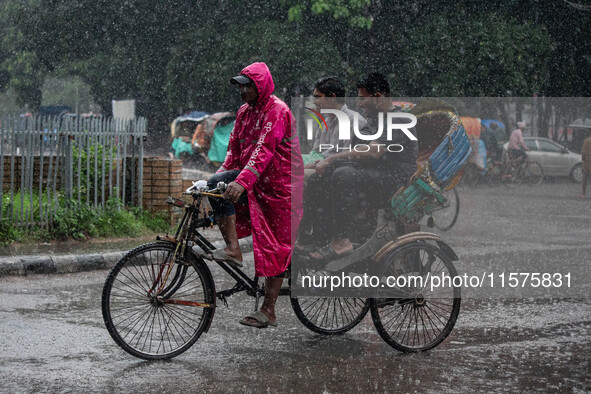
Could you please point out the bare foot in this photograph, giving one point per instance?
(237, 254)
(339, 246)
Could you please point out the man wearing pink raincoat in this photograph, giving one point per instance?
(264, 172)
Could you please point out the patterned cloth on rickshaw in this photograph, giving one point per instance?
(444, 145)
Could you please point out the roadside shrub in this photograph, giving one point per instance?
(155, 222)
(8, 233)
(115, 221)
(75, 220)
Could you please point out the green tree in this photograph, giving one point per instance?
(482, 56)
(200, 70)
(21, 69)
(177, 55)
(355, 13)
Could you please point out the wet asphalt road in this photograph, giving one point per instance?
(52, 337)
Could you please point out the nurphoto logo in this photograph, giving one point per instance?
(392, 124)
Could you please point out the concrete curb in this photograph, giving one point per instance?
(34, 265)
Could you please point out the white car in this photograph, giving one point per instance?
(554, 158)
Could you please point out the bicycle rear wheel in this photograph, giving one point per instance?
(447, 215)
(416, 318)
(534, 175)
(156, 306)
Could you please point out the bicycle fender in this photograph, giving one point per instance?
(448, 251)
(414, 237)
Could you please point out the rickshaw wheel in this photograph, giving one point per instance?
(329, 315)
(416, 318)
(157, 324)
(326, 315)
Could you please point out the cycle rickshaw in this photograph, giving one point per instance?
(161, 296)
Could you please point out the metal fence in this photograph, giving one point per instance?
(47, 163)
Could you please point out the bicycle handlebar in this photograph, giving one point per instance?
(200, 188)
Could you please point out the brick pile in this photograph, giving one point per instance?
(162, 178)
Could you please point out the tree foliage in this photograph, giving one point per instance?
(485, 56)
(199, 72)
(174, 56)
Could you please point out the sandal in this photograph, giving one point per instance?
(260, 320)
(305, 250)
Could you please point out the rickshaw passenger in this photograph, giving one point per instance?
(329, 93)
(371, 176)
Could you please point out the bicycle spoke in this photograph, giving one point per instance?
(145, 325)
(328, 315)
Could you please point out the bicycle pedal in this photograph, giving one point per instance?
(223, 299)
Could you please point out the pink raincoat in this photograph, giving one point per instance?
(264, 145)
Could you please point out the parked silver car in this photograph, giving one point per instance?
(554, 158)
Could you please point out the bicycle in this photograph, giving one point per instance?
(516, 171)
(160, 297)
(510, 172)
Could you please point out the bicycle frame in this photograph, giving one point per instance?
(188, 236)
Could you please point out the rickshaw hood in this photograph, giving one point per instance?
(261, 76)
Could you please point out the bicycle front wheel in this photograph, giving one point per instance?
(416, 317)
(156, 305)
(534, 175)
(512, 176)
(447, 215)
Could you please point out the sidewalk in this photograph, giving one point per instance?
(61, 259)
(78, 262)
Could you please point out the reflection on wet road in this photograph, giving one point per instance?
(53, 338)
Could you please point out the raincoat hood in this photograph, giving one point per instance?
(261, 76)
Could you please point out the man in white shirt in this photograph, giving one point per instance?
(329, 93)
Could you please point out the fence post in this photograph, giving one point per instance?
(140, 137)
(2, 143)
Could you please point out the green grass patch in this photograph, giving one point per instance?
(74, 220)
